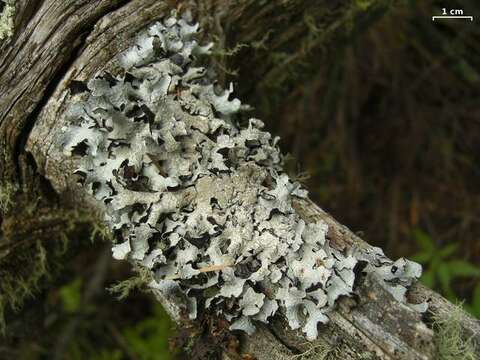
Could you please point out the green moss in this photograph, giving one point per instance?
(229, 52)
(364, 4)
(148, 339)
(71, 295)
(7, 192)
(320, 351)
(7, 19)
(451, 343)
(30, 259)
(139, 281)
(262, 43)
(100, 231)
(17, 286)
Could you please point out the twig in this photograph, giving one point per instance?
(203, 270)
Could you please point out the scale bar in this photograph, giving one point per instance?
(452, 17)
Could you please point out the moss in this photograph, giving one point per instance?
(230, 52)
(292, 56)
(16, 287)
(451, 342)
(139, 281)
(30, 255)
(364, 4)
(7, 192)
(7, 19)
(100, 231)
(320, 351)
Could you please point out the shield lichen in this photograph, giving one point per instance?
(200, 201)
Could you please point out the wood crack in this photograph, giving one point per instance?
(49, 90)
(277, 336)
(25, 99)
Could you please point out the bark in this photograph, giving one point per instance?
(57, 42)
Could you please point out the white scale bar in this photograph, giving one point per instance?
(452, 17)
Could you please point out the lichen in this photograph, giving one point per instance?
(200, 200)
(7, 194)
(451, 343)
(7, 19)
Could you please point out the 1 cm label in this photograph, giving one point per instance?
(445, 11)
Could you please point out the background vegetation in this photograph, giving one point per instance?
(385, 135)
(388, 136)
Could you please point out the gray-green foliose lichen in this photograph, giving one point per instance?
(201, 201)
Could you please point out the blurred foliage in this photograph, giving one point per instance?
(144, 338)
(71, 296)
(79, 319)
(149, 338)
(388, 132)
(443, 267)
(474, 307)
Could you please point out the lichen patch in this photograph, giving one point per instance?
(202, 202)
(7, 19)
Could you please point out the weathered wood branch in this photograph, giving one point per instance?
(57, 44)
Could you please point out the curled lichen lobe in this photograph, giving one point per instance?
(199, 201)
